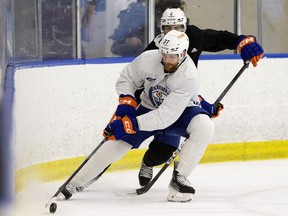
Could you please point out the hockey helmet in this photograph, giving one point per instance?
(174, 42)
(173, 16)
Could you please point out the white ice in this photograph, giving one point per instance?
(254, 188)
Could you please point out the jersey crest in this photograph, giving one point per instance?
(157, 94)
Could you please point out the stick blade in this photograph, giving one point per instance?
(143, 190)
(125, 193)
(132, 193)
(52, 200)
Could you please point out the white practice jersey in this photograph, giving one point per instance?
(165, 94)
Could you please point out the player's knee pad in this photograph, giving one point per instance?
(158, 153)
(201, 125)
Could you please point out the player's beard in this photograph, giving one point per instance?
(170, 68)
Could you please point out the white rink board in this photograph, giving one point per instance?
(60, 111)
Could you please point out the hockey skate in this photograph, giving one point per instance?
(145, 174)
(180, 189)
(67, 192)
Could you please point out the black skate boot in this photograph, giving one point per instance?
(180, 187)
(145, 174)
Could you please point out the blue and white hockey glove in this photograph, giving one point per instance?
(249, 49)
(122, 127)
(214, 111)
(127, 106)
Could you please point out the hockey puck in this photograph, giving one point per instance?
(53, 208)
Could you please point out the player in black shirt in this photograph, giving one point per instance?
(200, 40)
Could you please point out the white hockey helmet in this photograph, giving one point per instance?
(175, 42)
(173, 16)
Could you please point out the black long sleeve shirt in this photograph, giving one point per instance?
(205, 40)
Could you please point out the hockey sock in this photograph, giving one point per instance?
(200, 129)
(110, 152)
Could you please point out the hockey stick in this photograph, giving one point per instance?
(52, 202)
(81, 188)
(167, 164)
(147, 187)
(243, 68)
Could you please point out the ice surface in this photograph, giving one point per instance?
(255, 188)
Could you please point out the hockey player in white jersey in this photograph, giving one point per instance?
(169, 105)
(208, 40)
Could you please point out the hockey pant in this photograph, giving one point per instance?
(200, 130)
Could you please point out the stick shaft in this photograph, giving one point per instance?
(169, 161)
(229, 86)
(78, 169)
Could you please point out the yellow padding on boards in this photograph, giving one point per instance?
(61, 169)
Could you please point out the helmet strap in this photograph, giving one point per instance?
(182, 57)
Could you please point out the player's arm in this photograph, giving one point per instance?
(160, 118)
(213, 41)
(130, 78)
(165, 115)
(128, 81)
(213, 109)
(171, 108)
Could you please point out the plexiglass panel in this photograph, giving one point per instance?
(113, 28)
(58, 29)
(26, 36)
(69, 29)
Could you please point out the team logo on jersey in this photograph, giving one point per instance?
(157, 94)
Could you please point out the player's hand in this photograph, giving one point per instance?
(108, 132)
(127, 106)
(213, 110)
(249, 49)
(122, 127)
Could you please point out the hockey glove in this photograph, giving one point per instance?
(213, 110)
(127, 106)
(122, 127)
(249, 49)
